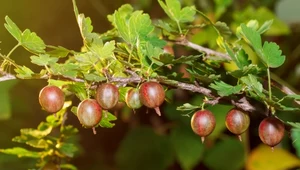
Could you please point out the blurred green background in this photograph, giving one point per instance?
(144, 141)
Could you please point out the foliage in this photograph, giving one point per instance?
(133, 52)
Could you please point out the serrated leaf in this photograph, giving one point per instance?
(187, 107)
(253, 84)
(272, 55)
(32, 42)
(94, 77)
(224, 89)
(21, 152)
(252, 37)
(36, 133)
(59, 51)
(180, 15)
(38, 143)
(69, 130)
(43, 60)
(223, 28)
(135, 28)
(65, 69)
(13, 29)
(106, 120)
(187, 59)
(24, 72)
(79, 89)
(125, 11)
(188, 148)
(103, 51)
(251, 69)
(68, 149)
(240, 57)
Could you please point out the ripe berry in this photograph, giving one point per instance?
(107, 95)
(132, 99)
(50, 166)
(237, 122)
(89, 113)
(152, 95)
(271, 131)
(203, 123)
(51, 99)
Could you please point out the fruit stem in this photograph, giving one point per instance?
(202, 139)
(240, 138)
(94, 131)
(157, 111)
(269, 83)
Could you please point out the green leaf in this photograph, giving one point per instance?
(32, 42)
(140, 147)
(188, 147)
(272, 55)
(187, 107)
(38, 143)
(225, 89)
(180, 15)
(253, 84)
(251, 69)
(69, 130)
(59, 51)
(221, 7)
(240, 57)
(103, 51)
(252, 37)
(295, 134)
(106, 120)
(217, 157)
(68, 166)
(125, 11)
(294, 124)
(134, 29)
(21, 152)
(79, 89)
(222, 28)
(24, 72)
(5, 102)
(43, 60)
(265, 27)
(13, 29)
(68, 149)
(65, 69)
(36, 133)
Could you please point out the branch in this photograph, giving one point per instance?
(207, 51)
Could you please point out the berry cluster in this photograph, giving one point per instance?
(89, 111)
(271, 129)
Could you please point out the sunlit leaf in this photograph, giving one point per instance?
(21, 152)
(263, 157)
(272, 55)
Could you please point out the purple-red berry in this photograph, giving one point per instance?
(237, 122)
(152, 95)
(203, 123)
(51, 98)
(271, 131)
(89, 113)
(132, 99)
(107, 95)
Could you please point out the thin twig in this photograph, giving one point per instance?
(207, 51)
